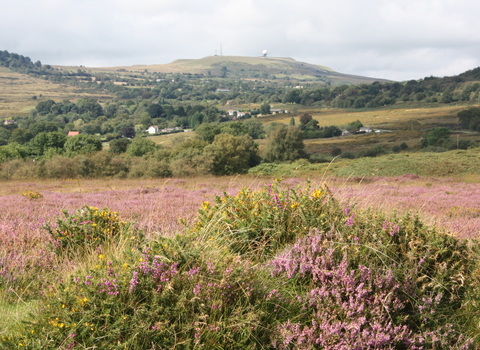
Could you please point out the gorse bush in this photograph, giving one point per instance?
(85, 230)
(261, 222)
(277, 267)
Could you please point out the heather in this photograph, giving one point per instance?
(280, 264)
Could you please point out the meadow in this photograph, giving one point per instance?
(20, 93)
(182, 214)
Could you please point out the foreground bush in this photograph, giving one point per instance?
(278, 267)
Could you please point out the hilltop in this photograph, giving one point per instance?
(269, 68)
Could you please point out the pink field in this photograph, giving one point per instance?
(157, 205)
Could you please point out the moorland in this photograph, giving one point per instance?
(236, 202)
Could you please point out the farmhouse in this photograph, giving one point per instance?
(73, 133)
(9, 122)
(365, 129)
(153, 129)
(168, 130)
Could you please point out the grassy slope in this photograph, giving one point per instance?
(407, 125)
(461, 164)
(17, 90)
(243, 66)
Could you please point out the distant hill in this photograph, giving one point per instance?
(269, 68)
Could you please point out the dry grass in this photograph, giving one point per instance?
(17, 90)
(376, 118)
(170, 140)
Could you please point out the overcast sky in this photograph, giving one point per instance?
(390, 39)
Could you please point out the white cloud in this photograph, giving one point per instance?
(392, 39)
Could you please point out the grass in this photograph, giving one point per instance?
(378, 118)
(17, 90)
(13, 314)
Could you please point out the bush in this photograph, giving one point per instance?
(260, 222)
(347, 155)
(86, 230)
(149, 168)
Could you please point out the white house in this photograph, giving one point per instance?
(365, 129)
(153, 129)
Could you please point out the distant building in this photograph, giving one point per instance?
(153, 129)
(365, 129)
(345, 132)
(277, 111)
(73, 133)
(9, 122)
(223, 90)
(168, 130)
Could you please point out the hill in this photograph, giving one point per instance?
(270, 68)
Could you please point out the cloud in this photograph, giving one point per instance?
(391, 39)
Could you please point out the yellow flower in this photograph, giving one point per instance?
(205, 205)
(294, 205)
(317, 193)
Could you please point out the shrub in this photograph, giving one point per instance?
(347, 155)
(149, 168)
(260, 222)
(85, 230)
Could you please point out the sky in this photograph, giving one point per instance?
(390, 39)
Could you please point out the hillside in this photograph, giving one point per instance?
(270, 68)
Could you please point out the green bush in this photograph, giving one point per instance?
(85, 230)
(258, 223)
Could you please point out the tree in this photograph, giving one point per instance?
(353, 127)
(155, 110)
(254, 128)
(4, 136)
(91, 129)
(140, 146)
(45, 107)
(235, 128)
(470, 118)
(305, 118)
(436, 137)
(82, 144)
(42, 126)
(232, 154)
(12, 151)
(128, 131)
(330, 131)
(293, 96)
(265, 108)
(119, 146)
(20, 136)
(284, 144)
(45, 141)
(207, 131)
(89, 106)
(110, 110)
